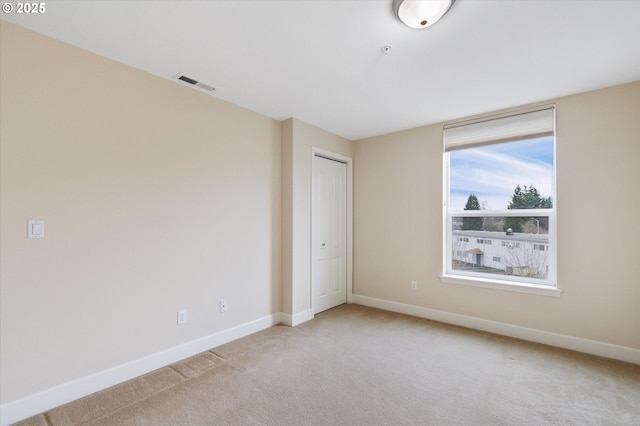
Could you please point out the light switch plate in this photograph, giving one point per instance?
(35, 228)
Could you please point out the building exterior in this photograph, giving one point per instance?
(520, 254)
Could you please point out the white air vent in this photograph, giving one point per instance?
(194, 82)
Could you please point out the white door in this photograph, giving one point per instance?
(329, 234)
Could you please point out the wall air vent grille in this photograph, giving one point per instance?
(196, 83)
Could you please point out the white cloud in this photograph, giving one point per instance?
(493, 172)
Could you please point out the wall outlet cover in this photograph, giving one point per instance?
(182, 316)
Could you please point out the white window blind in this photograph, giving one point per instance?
(493, 129)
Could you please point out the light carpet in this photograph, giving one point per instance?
(354, 365)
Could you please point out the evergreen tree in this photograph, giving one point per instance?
(527, 197)
(472, 223)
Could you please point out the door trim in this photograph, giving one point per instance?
(319, 152)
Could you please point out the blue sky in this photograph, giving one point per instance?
(492, 172)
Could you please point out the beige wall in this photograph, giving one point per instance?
(298, 140)
(398, 225)
(155, 197)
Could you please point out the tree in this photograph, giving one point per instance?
(472, 223)
(527, 197)
(524, 259)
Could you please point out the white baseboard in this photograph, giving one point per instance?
(37, 403)
(593, 347)
(296, 319)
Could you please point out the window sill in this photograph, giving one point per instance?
(541, 290)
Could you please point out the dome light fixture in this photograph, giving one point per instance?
(420, 13)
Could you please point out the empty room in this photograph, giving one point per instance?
(319, 212)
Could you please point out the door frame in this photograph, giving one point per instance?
(319, 152)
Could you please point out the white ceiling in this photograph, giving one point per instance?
(321, 61)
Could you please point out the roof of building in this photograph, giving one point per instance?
(493, 235)
(475, 251)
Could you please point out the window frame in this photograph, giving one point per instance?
(546, 287)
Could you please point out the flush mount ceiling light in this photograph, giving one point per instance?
(420, 13)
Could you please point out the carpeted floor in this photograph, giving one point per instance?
(354, 365)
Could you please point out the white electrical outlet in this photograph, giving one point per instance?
(182, 316)
(414, 285)
(223, 305)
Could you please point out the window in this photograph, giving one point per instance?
(510, 244)
(500, 185)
